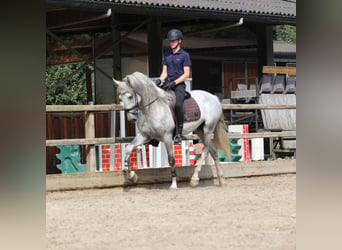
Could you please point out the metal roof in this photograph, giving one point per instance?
(273, 7)
(284, 47)
(268, 10)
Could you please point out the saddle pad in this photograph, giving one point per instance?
(190, 108)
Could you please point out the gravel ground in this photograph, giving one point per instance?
(248, 213)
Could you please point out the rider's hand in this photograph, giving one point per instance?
(169, 85)
(158, 82)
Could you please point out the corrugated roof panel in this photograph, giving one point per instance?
(262, 7)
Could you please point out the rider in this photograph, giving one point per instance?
(176, 69)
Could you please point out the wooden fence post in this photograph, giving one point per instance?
(90, 133)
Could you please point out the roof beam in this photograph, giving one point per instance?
(62, 81)
(102, 16)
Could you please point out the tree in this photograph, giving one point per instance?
(285, 33)
(72, 92)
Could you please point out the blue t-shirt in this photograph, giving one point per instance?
(175, 63)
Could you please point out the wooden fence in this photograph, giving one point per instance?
(67, 125)
(92, 179)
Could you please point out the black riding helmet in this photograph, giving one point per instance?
(174, 34)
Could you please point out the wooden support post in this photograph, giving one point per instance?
(90, 133)
(116, 53)
(89, 85)
(155, 47)
(269, 44)
(265, 46)
(272, 156)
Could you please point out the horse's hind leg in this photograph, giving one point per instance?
(220, 175)
(195, 179)
(213, 152)
(209, 147)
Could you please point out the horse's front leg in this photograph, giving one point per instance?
(171, 159)
(137, 141)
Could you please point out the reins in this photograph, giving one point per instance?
(148, 104)
(137, 105)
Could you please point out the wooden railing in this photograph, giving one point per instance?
(91, 178)
(90, 132)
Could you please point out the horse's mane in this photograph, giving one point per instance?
(146, 88)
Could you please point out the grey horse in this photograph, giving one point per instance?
(150, 107)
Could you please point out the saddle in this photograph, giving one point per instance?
(190, 107)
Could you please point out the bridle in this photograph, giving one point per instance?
(136, 105)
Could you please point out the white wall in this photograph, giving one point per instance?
(130, 65)
(104, 89)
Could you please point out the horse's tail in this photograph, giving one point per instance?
(221, 139)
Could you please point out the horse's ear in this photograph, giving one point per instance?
(129, 81)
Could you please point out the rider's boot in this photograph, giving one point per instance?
(178, 137)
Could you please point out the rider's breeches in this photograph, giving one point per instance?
(179, 92)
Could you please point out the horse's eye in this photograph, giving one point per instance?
(130, 97)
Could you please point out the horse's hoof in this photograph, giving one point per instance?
(173, 187)
(194, 182)
(174, 184)
(222, 183)
(133, 176)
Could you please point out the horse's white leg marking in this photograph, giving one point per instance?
(174, 183)
(131, 174)
(195, 179)
(171, 159)
(137, 141)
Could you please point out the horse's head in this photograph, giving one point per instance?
(126, 94)
(139, 91)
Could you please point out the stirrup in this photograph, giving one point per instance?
(178, 139)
